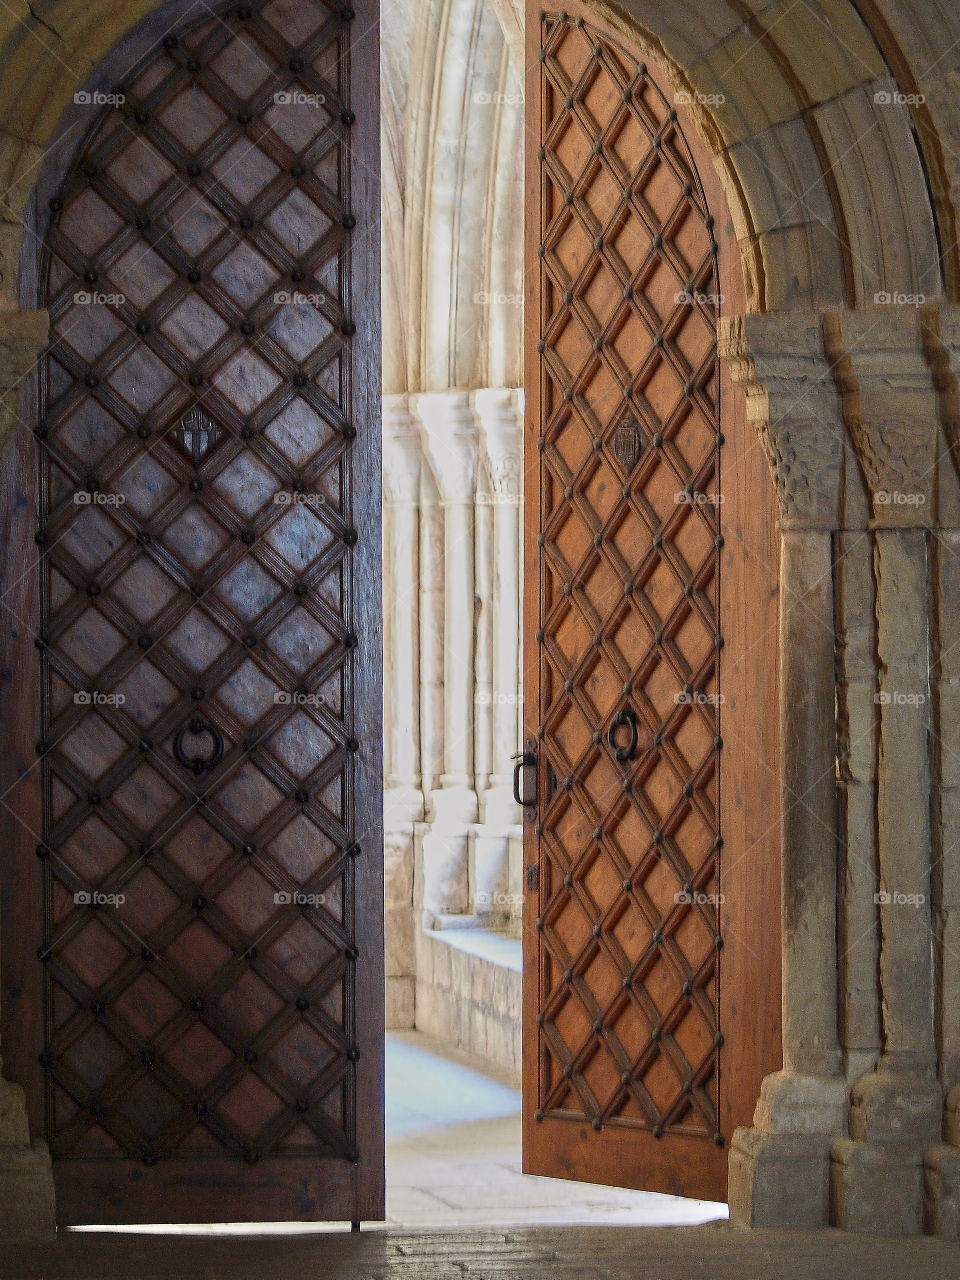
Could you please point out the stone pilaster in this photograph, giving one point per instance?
(452, 440)
(779, 1169)
(891, 410)
(942, 1160)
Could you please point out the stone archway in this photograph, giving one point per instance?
(836, 139)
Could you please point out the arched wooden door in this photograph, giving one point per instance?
(192, 862)
(651, 987)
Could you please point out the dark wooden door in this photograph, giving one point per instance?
(192, 863)
(651, 997)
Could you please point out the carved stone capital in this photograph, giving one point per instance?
(501, 420)
(891, 408)
(453, 441)
(402, 450)
(792, 404)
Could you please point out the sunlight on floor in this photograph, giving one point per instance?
(453, 1154)
(453, 1160)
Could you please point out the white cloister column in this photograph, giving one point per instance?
(403, 798)
(499, 417)
(485, 624)
(431, 636)
(501, 422)
(452, 440)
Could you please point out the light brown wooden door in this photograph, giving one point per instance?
(651, 984)
(192, 859)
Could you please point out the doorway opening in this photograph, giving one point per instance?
(561, 921)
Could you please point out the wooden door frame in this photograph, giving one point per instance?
(753, 918)
(351, 1190)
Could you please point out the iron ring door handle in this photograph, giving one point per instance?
(625, 720)
(197, 763)
(525, 760)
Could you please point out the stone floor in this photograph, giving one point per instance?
(717, 1252)
(453, 1162)
(453, 1154)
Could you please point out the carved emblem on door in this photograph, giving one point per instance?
(195, 433)
(628, 442)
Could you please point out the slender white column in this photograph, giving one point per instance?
(452, 440)
(501, 422)
(403, 799)
(431, 636)
(485, 625)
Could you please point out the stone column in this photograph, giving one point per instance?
(501, 422)
(485, 623)
(858, 933)
(891, 409)
(403, 797)
(942, 1160)
(452, 440)
(779, 1169)
(431, 636)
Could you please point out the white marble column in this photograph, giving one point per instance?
(403, 798)
(431, 636)
(498, 414)
(501, 422)
(485, 624)
(452, 440)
